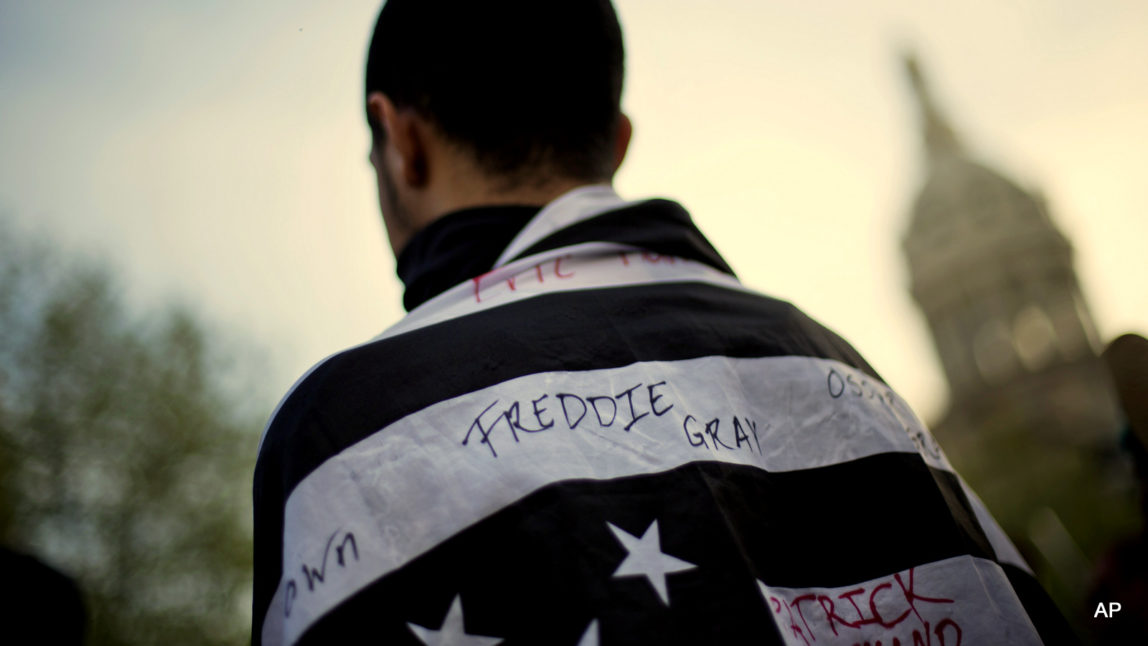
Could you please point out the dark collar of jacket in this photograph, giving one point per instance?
(467, 243)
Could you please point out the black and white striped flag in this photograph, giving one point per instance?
(607, 440)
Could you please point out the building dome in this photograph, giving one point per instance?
(970, 220)
(992, 274)
(967, 212)
(959, 188)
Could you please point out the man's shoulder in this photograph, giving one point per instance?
(331, 387)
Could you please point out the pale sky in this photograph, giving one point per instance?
(216, 153)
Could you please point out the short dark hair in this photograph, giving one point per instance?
(527, 86)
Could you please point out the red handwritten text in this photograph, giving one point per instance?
(887, 611)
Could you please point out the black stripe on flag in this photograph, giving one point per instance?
(540, 570)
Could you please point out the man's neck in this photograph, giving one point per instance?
(490, 194)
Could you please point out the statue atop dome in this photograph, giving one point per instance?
(939, 136)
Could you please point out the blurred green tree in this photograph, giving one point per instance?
(126, 450)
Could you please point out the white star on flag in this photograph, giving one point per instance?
(646, 559)
(451, 633)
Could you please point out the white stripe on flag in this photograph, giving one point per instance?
(961, 600)
(589, 265)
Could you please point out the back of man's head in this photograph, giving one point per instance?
(530, 88)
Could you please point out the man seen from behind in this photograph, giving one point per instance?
(586, 430)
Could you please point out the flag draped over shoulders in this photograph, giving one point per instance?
(606, 439)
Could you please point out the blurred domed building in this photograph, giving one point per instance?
(1032, 421)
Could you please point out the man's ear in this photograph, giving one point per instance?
(622, 140)
(406, 138)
